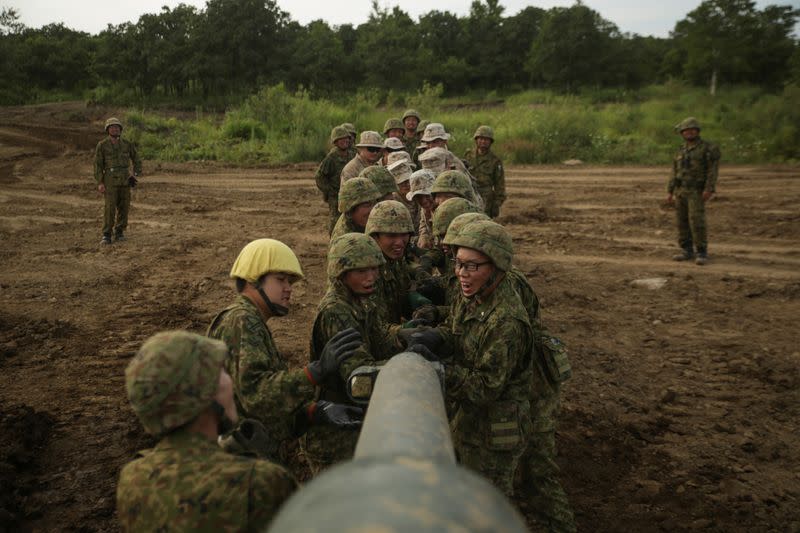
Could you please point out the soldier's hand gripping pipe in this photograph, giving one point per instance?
(337, 415)
(339, 349)
(428, 337)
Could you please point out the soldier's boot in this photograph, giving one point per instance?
(702, 257)
(686, 255)
(106, 240)
(120, 236)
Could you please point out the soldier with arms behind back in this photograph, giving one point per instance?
(330, 169)
(488, 171)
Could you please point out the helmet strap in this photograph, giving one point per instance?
(225, 424)
(490, 285)
(274, 309)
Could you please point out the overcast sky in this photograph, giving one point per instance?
(645, 17)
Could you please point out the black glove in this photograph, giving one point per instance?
(132, 181)
(415, 323)
(428, 313)
(423, 350)
(429, 287)
(428, 337)
(338, 349)
(337, 415)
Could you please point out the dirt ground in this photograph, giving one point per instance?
(684, 406)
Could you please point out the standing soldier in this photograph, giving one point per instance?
(356, 198)
(488, 171)
(330, 170)
(410, 135)
(112, 160)
(394, 128)
(694, 179)
(421, 182)
(181, 393)
(370, 151)
(351, 129)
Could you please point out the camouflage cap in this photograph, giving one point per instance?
(421, 183)
(381, 177)
(393, 124)
(389, 216)
(370, 139)
(173, 378)
(401, 169)
(449, 210)
(687, 124)
(357, 191)
(459, 222)
(352, 251)
(351, 129)
(401, 155)
(484, 131)
(393, 143)
(453, 181)
(411, 113)
(434, 157)
(433, 131)
(339, 132)
(113, 121)
(489, 238)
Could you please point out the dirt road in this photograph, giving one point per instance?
(684, 408)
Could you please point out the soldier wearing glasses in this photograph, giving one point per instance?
(370, 151)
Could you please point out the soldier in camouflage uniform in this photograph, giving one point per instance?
(330, 169)
(452, 184)
(353, 263)
(351, 129)
(179, 389)
(370, 152)
(356, 198)
(266, 388)
(517, 434)
(390, 225)
(421, 182)
(488, 171)
(401, 167)
(112, 172)
(382, 179)
(695, 168)
(394, 128)
(411, 135)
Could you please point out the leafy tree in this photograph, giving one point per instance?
(482, 34)
(516, 36)
(387, 48)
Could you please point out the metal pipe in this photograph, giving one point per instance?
(403, 476)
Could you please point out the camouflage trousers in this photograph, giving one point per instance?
(491, 206)
(325, 446)
(690, 212)
(333, 210)
(115, 215)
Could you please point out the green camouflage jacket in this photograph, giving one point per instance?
(329, 172)
(392, 290)
(264, 386)
(344, 226)
(490, 176)
(352, 169)
(695, 167)
(188, 483)
(112, 162)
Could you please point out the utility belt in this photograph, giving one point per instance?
(111, 170)
(690, 185)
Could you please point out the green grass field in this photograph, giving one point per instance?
(749, 124)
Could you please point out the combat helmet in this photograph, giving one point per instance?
(449, 210)
(113, 121)
(173, 378)
(339, 132)
(382, 179)
(351, 129)
(389, 216)
(357, 191)
(411, 113)
(489, 238)
(393, 124)
(484, 131)
(686, 124)
(352, 251)
(263, 256)
(460, 221)
(453, 181)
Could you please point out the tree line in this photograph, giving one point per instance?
(233, 47)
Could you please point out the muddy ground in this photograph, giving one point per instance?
(684, 406)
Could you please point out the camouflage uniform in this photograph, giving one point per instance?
(266, 389)
(694, 170)
(490, 176)
(328, 180)
(354, 192)
(112, 168)
(188, 483)
(353, 168)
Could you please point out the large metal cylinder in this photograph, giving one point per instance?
(403, 476)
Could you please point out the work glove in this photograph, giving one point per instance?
(428, 337)
(338, 349)
(336, 414)
(424, 351)
(249, 438)
(429, 286)
(415, 323)
(429, 313)
(416, 300)
(132, 181)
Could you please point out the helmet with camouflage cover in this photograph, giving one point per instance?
(173, 378)
(453, 181)
(449, 210)
(352, 251)
(389, 216)
(351, 129)
(411, 113)
(487, 237)
(113, 121)
(422, 125)
(339, 132)
(381, 177)
(460, 221)
(686, 124)
(484, 131)
(357, 191)
(393, 124)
